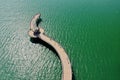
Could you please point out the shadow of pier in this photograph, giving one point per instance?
(43, 43)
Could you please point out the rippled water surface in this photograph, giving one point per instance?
(89, 31)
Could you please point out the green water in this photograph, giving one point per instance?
(89, 31)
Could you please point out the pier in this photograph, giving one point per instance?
(38, 32)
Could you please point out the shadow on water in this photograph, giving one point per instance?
(38, 21)
(73, 74)
(41, 42)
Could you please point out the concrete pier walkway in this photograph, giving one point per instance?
(36, 32)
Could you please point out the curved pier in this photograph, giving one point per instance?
(36, 32)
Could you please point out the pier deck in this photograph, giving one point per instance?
(66, 65)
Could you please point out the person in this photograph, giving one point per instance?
(36, 32)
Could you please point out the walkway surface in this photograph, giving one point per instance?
(66, 65)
